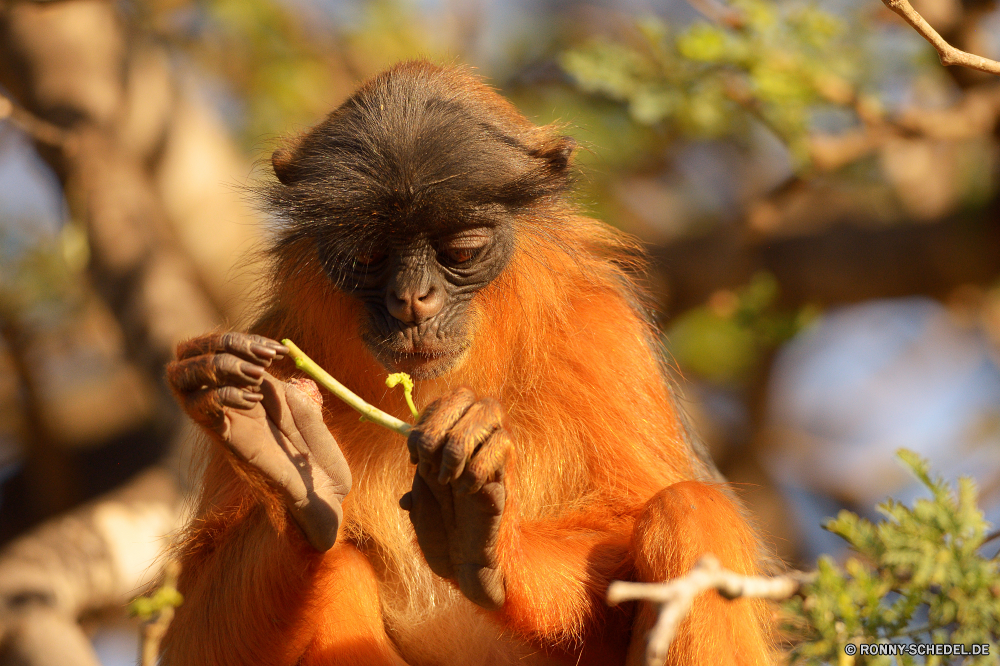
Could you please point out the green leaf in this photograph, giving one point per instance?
(704, 42)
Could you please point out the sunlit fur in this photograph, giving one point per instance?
(561, 340)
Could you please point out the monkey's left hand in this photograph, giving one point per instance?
(460, 448)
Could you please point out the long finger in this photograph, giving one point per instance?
(432, 533)
(207, 406)
(298, 422)
(439, 417)
(275, 401)
(314, 438)
(475, 554)
(487, 464)
(478, 423)
(254, 348)
(265, 454)
(212, 370)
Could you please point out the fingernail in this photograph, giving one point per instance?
(252, 397)
(262, 352)
(278, 347)
(252, 371)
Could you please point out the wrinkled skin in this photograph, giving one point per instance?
(275, 427)
(460, 448)
(416, 292)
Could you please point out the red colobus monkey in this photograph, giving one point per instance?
(425, 227)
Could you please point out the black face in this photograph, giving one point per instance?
(416, 292)
(412, 193)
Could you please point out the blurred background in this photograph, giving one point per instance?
(818, 195)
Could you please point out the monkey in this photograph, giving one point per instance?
(427, 226)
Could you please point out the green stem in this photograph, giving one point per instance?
(369, 412)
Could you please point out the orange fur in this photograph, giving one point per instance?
(677, 526)
(347, 616)
(237, 583)
(561, 342)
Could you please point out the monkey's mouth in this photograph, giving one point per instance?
(421, 352)
(426, 364)
(419, 362)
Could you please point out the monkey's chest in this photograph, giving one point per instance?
(432, 624)
(429, 621)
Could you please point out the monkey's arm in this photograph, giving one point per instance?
(557, 573)
(248, 570)
(546, 579)
(245, 581)
(256, 593)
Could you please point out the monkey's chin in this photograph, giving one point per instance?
(423, 365)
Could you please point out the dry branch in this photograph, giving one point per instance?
(719, 12)
(949, 54)
(674, 598)
(41, 131)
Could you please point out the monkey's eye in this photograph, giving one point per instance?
(461, 255)
(463, 250)
(369, 258)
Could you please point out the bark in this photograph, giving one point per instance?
(842, 264)
(99, 555)
(149, 172)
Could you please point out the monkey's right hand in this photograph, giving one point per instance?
(275, 427)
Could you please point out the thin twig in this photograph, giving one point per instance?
(949, 54)
(159, 615)
(674, 598)
(369, 412)
(38, 129)
(720, 13)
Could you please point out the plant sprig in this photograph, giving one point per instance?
(397, 378)
(368, 412)
(156, 611)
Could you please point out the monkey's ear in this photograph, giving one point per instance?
(281, 162)
(558, 152)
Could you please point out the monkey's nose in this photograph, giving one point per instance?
(415, 306)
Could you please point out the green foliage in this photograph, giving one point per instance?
(284, 66)
(725, 339)
(260, 52)
(395, 30)
(146, 608)
(774, 63)
(42, 273)
(920, 566)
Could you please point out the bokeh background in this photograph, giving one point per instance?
(818, 195)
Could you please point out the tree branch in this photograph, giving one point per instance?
(38, 129)
(673, 598)
(719, 12)
(949, 54)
